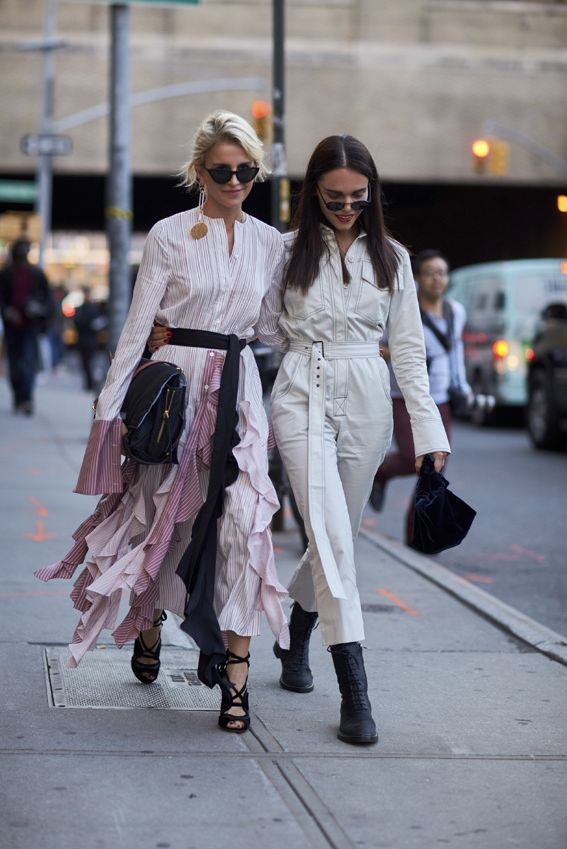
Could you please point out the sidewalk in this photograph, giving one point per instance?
(472, 720)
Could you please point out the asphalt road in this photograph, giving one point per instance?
(517, 547)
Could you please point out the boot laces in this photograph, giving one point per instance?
(353, 690)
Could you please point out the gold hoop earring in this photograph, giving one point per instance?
(200, 229)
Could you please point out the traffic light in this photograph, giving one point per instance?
(480, 149)
(261, 111)
(562, 203)
(499, 158)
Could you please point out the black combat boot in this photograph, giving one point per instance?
(357, 725)
(296, 675)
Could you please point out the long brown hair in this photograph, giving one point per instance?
(303, 266)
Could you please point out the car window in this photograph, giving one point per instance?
(532, 292)
(500, 300)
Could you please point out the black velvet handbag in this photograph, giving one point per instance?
(154, 412)
(441, 519)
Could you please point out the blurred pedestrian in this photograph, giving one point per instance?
(57, 325)
(89, 320)
(207, 273)
(25, 303)
(443, 322)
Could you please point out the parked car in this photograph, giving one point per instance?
(546, 412)
(503, 301)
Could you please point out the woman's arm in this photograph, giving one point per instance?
(267, 327)
(100, 471)
(151, 282)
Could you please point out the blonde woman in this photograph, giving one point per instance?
(192, 538)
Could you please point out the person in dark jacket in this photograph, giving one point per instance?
(89, 319)
(25, 303)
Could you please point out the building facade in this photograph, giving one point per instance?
(416, 80)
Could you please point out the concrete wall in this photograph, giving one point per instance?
(415, 79)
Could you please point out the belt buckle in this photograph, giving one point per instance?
(322, 344)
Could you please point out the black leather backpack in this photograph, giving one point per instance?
(154, 412)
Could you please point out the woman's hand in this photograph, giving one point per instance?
(438, 460)
(158, 337)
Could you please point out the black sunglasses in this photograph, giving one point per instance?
(223, 174)
(356, 205)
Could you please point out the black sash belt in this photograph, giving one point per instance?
(197, 565)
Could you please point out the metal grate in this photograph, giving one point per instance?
(104, 679)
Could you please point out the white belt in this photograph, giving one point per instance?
(336, 350)
(318, 352)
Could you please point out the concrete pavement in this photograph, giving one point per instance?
(471, 704)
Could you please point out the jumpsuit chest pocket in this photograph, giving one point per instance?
(299, 305)
(372, 303)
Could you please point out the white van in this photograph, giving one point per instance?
(503, 301)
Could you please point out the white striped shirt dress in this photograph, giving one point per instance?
(142, 524)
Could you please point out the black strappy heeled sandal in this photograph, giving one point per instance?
(232, 696)
(148, 670)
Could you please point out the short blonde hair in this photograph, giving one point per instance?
(222, 126)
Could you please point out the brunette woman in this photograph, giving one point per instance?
(345, 282)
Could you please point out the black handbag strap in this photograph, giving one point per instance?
(446, 339)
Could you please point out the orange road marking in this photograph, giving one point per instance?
(512, 555)
(397, 601)
(478, 579)
(39, 508)
(39, 534)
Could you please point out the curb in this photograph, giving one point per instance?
(536, 635)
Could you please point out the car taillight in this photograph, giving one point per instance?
(500, 349)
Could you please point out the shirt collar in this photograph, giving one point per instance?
(328, 234)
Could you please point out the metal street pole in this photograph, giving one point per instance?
(119, 191)
(280, 182)
(44, 170)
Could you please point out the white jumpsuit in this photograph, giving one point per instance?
(332, 415)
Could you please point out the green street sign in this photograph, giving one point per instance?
(17, 191)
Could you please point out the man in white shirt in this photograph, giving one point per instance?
(443, 322)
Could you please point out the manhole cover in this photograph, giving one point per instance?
(104, 679)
